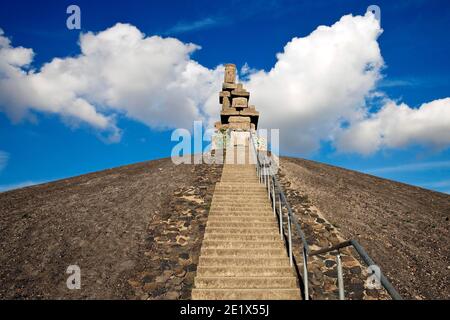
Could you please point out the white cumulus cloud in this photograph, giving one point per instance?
(319, 81)
(120, 71)
(397, 126)
(318, 90)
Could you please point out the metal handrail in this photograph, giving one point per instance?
(270, 179)
(366, 258)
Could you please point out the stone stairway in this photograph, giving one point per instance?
(242, 255)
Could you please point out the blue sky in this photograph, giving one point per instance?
(44, 146)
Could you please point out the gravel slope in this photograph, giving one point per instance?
(404, 228)
(135, 232)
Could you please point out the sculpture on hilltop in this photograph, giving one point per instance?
(236, 113)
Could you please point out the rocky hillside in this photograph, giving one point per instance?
(405, 229)
(136, 231)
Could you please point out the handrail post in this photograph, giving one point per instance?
(273, 197)
(264, 173)
(305, 273)
(259, 171)
(280, 212)
(274, 203)
(260, 174)
(290, 239)
(340, 277)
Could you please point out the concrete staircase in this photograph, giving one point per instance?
(242, 255)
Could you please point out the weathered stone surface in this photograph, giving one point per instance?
(226, 108)
(250, 113)
(230, 73)
(240, 92)
(234, 99)
(229, 86)
(226, 103)
(235, 119)
(239, 126)
(239, 102)
(224, 94)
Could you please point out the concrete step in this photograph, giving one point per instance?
(242, 237)
(239, 175)
(241, 188)
(232, 261)
(241, 207)
(230, 184)
(237, 190)
(248, 191)
(243, 204)
(222, 210)
(240, 224)
(251, 177)
(239, 179)
(241, 219)
(228, 208)
(249, 197)
(239, 244)
(245, 294)
(241, 213)
(222, 271)
(238, 214)
(245, 282)
(244, 252)
(227, 172)
(244, 193)
(245, 199)
(251, 172)
(241, 230)
(237, 184)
